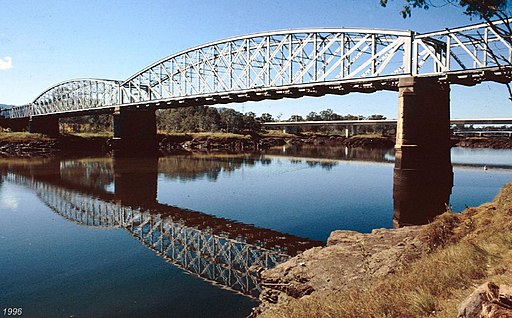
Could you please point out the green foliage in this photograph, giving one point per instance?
(87, 123)
(265, 117)
(207, 119)
(484, 9)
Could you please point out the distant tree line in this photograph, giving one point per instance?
(329, 115)
(208, 119)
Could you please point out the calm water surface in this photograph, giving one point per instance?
(137, 253)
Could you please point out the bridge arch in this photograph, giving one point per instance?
(76, 95)
(271, 61)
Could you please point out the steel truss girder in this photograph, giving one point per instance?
(310, 62)
(271, 60)
(469, 48)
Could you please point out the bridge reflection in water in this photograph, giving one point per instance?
(122, 193)
(218, 250)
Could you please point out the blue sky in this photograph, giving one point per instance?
(46, 42)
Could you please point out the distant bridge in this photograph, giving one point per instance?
(351, 124)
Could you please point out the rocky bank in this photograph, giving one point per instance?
(350, 259)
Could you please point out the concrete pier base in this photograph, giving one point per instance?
(423, 175)
(134, 132)
(47, 125)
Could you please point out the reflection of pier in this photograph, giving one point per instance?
(218, 250)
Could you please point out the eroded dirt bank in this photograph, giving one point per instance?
(43, 147)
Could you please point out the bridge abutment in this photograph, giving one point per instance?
(423, 175)
(134, 131)
(47, 125)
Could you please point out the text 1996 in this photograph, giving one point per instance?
(12, 311)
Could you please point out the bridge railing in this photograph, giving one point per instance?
(478, 46)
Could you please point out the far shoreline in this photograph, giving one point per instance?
(38, 145)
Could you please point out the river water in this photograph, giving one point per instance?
(183, 235)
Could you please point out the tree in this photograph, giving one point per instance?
(295, 118)
(376, 117)
(487, 10)
(265, 118)
(231, 120)
(484, 9)
(250, 122)
(312, 116)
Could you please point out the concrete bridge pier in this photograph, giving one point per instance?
(423, 175)
(351, 130)
(47, 125)
(134, 131)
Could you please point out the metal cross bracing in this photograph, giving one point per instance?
(230, 262)
(267, 65)
(74, 96)
(292, 63)
(465, 55)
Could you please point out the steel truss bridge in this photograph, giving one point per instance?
(293, 63)
(200, 247)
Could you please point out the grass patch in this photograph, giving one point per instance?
(412, 293)
(277, 134)
(219, 135)
(465, 250)
(372, 136)
(211, 135)
(21, 137)
(91, 135)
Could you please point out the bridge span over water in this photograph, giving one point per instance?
(279, 64)
(296, 63)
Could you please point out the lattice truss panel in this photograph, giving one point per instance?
(218, 259)
(213, 257)
(22, 111)
(74, 206)
(71, 96)
(272, 60)
(473, 47)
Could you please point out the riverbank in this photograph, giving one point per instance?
(409, 272)
(37, 145)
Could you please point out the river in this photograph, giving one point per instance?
(184, 235)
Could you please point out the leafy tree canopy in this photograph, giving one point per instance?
(484, 9)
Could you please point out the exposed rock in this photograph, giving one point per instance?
(349, 259)
(487, 301)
